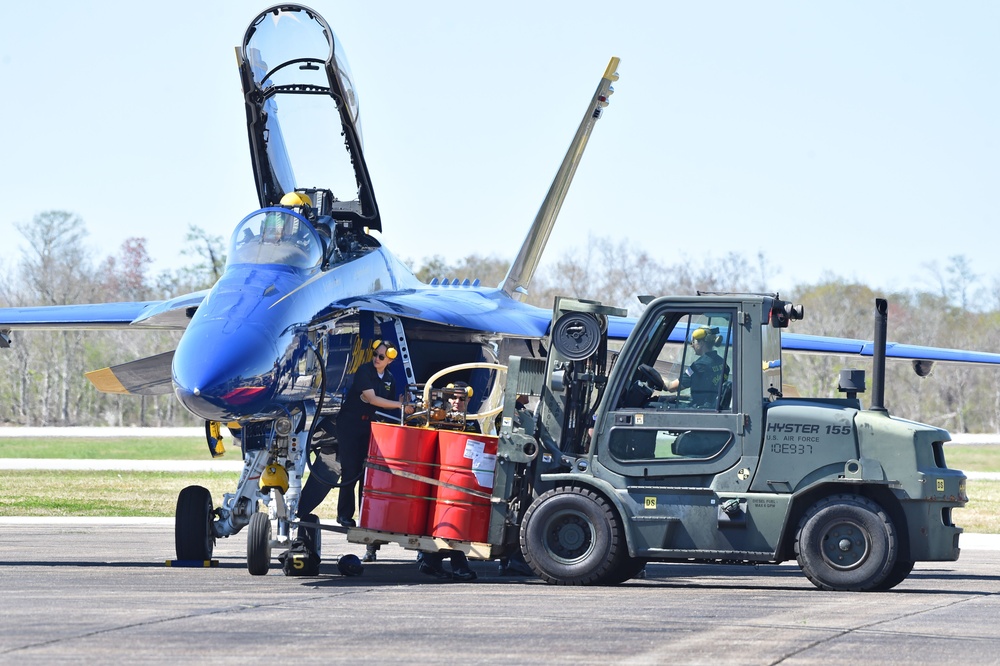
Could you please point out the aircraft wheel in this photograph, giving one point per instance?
(193, 535)
(259, 544)
(847, 542)
(571, 536)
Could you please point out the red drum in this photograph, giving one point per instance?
(392, 503)
(465, 459)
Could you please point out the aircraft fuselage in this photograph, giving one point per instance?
(251, 348)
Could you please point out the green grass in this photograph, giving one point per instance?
(103, 448)
(109, 493)
(973, 458)
(980, 515)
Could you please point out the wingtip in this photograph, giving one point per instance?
(611, 73)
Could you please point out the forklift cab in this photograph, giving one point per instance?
(671, 407)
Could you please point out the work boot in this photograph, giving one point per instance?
(430, 570)
(464, 575)
(371, 553)
(346, 522)
(431, 566)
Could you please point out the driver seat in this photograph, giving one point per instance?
(726, 396)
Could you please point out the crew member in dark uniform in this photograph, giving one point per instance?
(707, 372)
(373, 388)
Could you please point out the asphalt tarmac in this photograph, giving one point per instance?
(98, 591)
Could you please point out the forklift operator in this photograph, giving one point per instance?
(707, 372)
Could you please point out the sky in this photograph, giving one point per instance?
(856, 139)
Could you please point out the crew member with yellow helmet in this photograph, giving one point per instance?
(373, 388)
(458, 406)
(708, 370)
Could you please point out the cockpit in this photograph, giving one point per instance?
(275, 236)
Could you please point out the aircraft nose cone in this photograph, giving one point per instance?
(224, 372)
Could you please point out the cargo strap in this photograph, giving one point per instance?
(427, 479)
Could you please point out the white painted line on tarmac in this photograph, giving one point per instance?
(83, 520)
(967, 541)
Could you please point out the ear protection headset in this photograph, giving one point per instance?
(390, 351)
(468, 389)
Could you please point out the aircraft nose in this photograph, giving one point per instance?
(225, 372)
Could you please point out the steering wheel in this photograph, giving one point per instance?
(648, 374)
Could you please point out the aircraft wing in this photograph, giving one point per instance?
(94, 315)
(818, 344)
(145, 376)
(478, 309)
(922, 357)
(172, 314)
(515, 284)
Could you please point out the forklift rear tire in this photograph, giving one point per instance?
(571, 536)
(848, 543)
(259, 544)
(900, 570)
(193, 535)
(625, 569)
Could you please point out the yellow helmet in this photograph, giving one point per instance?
(709, 334)
(296, 199)
(274, 476)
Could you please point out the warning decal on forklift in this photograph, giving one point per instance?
(650, 503)
(940, 485)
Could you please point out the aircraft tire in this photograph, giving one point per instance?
(571, 536)
(193, 517)
(848, 543)
(259, 544)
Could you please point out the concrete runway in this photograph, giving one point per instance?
(98, 591)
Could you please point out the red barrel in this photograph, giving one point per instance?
(465, 459)
(392, 503)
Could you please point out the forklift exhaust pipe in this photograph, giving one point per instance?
(878, 355)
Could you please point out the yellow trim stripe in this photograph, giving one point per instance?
(104, 380)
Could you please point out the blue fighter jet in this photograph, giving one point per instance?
(272, 347)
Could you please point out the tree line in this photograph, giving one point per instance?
(42, 375)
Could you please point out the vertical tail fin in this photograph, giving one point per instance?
(521, 271)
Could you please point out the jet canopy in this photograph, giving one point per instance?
(275, 236)
(303, 118)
